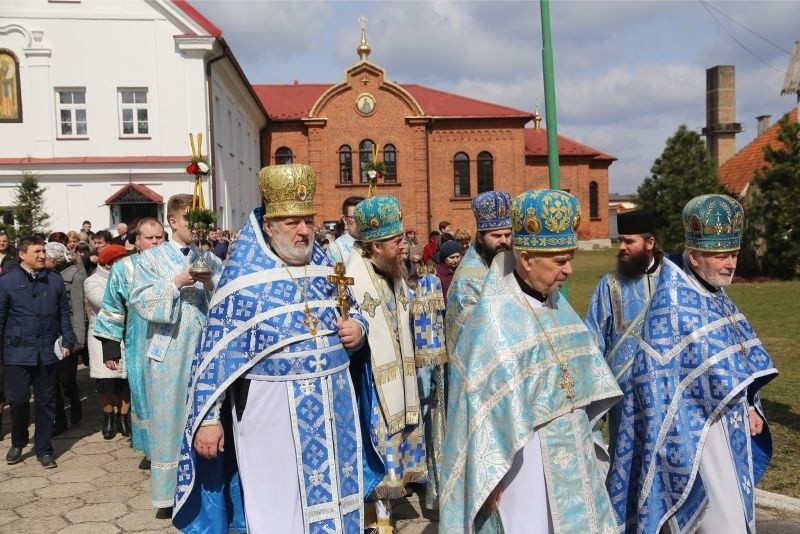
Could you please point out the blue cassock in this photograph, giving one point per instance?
(697, 360)
(255, 328)
(615, 318)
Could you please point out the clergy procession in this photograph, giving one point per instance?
(306, 385)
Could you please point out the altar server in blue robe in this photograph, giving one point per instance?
(174, 301)
(519, 455)
(617, 307)
(692, 442)
(117, 322)
(277, 348)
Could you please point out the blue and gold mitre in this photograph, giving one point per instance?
(713, 223)
(492, 210)
(288, 190)
(545, 220)
(378, 218)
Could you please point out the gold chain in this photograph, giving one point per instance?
(567, 382)
(310, 321)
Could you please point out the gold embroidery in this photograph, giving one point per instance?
(369, 304)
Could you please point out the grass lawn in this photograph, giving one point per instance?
(773, 308)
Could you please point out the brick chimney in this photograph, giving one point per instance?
(721, 126)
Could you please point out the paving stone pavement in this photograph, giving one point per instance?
(98, 488)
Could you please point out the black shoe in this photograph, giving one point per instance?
(164, 513)
(60, 426)
(144, 464)
(109, 428)
(75, 412)
(124, 424)
(47, 461)
(14, 455)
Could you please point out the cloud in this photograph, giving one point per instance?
(627, 73)
(257, 28)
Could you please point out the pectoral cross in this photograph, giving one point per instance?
(341, 282)
(311, 322)
(567, 383)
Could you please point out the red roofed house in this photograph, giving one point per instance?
(737, 172)
(440, 149)
(98, 102)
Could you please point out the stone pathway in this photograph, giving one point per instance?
(98, 488)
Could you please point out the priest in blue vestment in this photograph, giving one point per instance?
(385, 373)
(270, 385)
(617, 307)
(492, 211)
(692, 442)
(173, 300)
(118, 323)
(521, 454)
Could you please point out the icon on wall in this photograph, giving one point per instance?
(365, 103)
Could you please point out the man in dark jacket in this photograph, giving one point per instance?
(8, 254)
(34, 312)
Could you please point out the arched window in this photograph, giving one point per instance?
(345, 165)
(594, 204)
(364, 156)
(390, 162)
(283, 155)
(485, 172)
(461, 175)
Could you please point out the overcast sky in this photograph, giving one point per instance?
(627, 73)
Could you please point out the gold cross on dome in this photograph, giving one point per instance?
(311, 322)
(567, 383)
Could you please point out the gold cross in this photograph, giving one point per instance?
(311, 322)
(567, 383)
(341, 282)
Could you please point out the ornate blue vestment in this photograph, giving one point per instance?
(119, 322)
(257, 328)
(175, 318)
(697, 361)
(464, 290)
(511, 387)
(614, 319)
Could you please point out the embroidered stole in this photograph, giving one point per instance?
(391, 347)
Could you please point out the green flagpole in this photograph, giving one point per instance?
(551, 123)
(549, 98)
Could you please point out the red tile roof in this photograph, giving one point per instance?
(437, 103)
(141, 189)
(289, 101)
(198, 18)
(536, 145)
(738, 172)
(294, 101)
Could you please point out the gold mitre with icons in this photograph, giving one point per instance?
(288, 190)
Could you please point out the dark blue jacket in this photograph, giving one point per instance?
(33, 313)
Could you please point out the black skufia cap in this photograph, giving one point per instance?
(636, 222)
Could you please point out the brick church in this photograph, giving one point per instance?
(439, 149)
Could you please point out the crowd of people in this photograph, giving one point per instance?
(305, 381)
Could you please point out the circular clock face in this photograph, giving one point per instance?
(365, 103)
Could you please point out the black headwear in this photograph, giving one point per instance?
(636, 222)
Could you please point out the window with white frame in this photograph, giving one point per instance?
(133, 118)
(71, 112)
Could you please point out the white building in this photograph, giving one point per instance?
(101, 101)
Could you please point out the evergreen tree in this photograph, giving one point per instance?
(683, 171)
(774, 205)
(29, 210)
